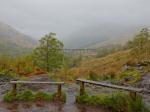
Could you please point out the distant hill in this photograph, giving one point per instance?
(99, 35)
(13, 42)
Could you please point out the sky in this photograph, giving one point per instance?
(64, 17)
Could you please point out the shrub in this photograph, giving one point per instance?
(131, 76)
(27, 95)
(117, 102)
(83, 98)
(43, 96)
(137, 106)
(8, 97)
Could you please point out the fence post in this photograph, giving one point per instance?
(14, 89)
(59, 90)
(82, 88)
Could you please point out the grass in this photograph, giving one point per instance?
(108, 65)
(93, 76)
(28, 95)
(132, 76)
(117, 102)
(110, 68)
(43, 96)
(62, 98)
(104, 68)
(8, 97)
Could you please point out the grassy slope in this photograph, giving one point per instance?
(111, 64)
(12, 49)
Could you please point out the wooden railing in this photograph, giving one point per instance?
(133, 91)
(14, 85)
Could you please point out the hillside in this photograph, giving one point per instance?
(14, 42)
(111, 64)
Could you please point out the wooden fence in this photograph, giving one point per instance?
(14, 85)
(133, 91)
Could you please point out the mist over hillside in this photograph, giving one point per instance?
(13, 42)
(99, 35)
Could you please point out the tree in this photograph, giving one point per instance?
(141, 45)
(48, 54)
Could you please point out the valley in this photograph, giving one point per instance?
(123, 65)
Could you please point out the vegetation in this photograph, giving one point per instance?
(13, 49)
(20, 66)
(62, 98)
(41, 60)
(93, 76)
(43, 96)
(141, 46)
(109, 65)
(130, 76)
(28, 95)
(8, 97)
(117, 102)
(115, 64)
(108, 49)
(49, 55)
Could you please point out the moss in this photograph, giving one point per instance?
(117, 102)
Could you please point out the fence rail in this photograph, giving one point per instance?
(35, 82)
(133, 91)
(14, 85)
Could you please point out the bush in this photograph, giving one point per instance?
(137, 106)
(8, 97)
(131, 76)
(83, 98)
(27, 95)
(117, 102)
(43, 96)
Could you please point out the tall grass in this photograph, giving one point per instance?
(28, 95)
(117, 102)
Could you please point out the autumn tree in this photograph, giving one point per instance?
(48, 54)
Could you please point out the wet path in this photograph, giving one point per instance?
(145, 84)
(69, 106)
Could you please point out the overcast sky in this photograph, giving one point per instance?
(37, 17)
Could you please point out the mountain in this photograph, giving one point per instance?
(13, 42)
(99, 35)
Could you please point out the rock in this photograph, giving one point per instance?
(125, 67)
(145, 84)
